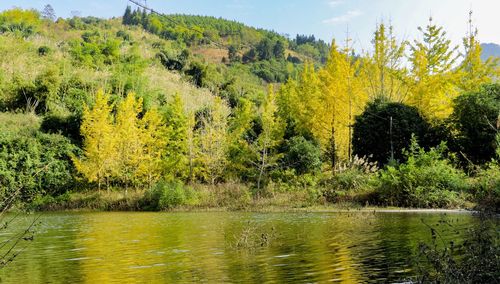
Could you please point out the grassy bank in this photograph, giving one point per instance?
(226, 197)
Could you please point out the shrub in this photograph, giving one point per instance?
(43, 50)
(371, 133)
(426, 179)
(35, 164)
(302, 155)
(487, 187)
(230, 195)
(354, 182)
(20, 22)
(473, 260)
(476, 118)
(68, 126)
(168, 195)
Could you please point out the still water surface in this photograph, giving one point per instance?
(225, 247)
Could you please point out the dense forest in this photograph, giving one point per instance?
(172, 111)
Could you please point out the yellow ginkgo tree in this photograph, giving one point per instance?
(99, 144)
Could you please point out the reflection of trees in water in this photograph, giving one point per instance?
(15, 241)
(45, 258)
(194, 247)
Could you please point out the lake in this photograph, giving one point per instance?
(226, 247)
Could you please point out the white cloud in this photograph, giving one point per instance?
(335, 3)
(343, 18)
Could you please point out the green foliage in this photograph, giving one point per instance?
(351, 185)
(43, 50)
(68, 126)
(354, 181)
(487, 187)
(19, 22)
(474, 260)
(310, 47)
(372, 130)
(36, 164)
(302, 155)
(273, 70)
(168, 195)
(426, 180)
(95, 50)
(477, 117)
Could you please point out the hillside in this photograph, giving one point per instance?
(150, 101)
(490, 50)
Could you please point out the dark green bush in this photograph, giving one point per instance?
(372, 135)
(476, 116)
(487, 187)
(302, 155)
(68, 126)
(43, 50)
(426, 180)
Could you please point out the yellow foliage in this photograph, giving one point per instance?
(99, 161)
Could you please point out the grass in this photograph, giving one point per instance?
(224, 197)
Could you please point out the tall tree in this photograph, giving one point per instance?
(341, 99)
(153, 143)
(213, 141)
(473, 71)
(270, 137)
(177, 133)
(433, 60)
(127, 16)
(129, 139)
(239, 151)
(384, 69)
(48, 13)
(99, 146)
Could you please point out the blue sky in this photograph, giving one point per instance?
(326, 19)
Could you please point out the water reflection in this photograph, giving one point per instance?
(224, 247)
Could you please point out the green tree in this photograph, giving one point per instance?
(127, 16)
(270, 137)
(302, 155)
(175, 156)
(213, 141)
(376, 136)
(476, 116)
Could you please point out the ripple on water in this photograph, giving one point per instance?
(182, 248)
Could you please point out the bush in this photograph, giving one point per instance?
(354, 182)
(371, 133)
(35, 164)
(426, 180)
(473, 260)
(168, 195)
(68, 126)
(230, 195)
(43, 50)
(487, 187)
(476, 117)
(302, 155)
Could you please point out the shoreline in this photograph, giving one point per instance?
(312, 209)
